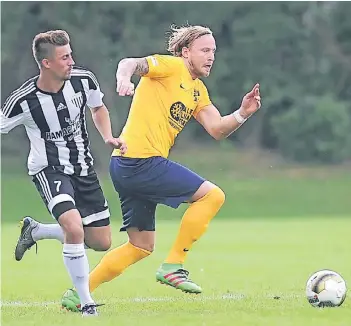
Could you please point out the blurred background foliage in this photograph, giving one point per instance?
(300, 53)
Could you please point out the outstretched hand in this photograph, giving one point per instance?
(251, 102)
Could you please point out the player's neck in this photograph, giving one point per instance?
(48, 84)
(190, 69)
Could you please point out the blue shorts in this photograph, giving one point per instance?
(144, 183)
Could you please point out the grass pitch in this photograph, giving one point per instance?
(277, 227)
(242, 266)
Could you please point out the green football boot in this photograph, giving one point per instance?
(174, 275)
(70, 301)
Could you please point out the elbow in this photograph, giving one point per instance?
(122, 63)
(98, 110)
(99, 113)
(217, 135)
(125, 61)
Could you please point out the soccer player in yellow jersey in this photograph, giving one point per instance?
(168, 95)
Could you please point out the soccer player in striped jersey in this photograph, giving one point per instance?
(51, 107)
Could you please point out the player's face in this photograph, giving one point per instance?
(61, 62)
(202, 55)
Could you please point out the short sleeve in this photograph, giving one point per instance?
(11, 116)
(162, 66)
(203, 98)
(95, 98)
(95, 94)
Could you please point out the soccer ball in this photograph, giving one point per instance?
(326, 288)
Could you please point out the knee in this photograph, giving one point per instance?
(102, 244)
(218, 196)
(215, 196)
(145, 245)
(150, 247)
(72, 226)
(211, 193)
(142, 239)
(75, 231)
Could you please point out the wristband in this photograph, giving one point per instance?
(238, 117)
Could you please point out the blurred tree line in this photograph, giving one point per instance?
(300, 53)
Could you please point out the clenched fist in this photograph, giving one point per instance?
(125, 87)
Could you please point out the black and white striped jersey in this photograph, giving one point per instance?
(55, 122)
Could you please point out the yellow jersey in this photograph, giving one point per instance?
(164, 101)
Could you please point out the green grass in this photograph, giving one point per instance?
(280, 223)
(240, 264)
(251, 197)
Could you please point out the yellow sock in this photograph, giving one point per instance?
(114, 263)
(194, 224)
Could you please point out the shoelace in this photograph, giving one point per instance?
(35, 243)
(182, 271)
(185, 273)
(88, 307)
(36, 247)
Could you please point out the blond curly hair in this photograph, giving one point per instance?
(184, 36)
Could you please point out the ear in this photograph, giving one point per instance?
(185, 52)
(45, 63)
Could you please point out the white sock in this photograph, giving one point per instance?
(47, 231)
(77, 266)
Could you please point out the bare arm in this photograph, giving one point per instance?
(126, 69)
(217, 126)
(221, 127)
(101, 118)
(102, 122)
(132, 66)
